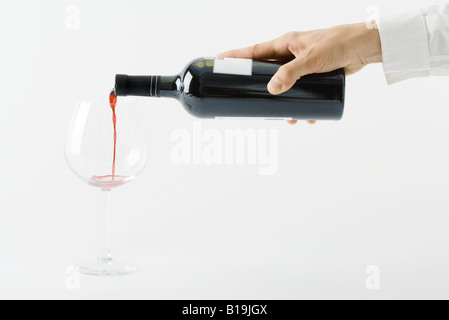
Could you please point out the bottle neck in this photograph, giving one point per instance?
(169, 86)
(148, 86)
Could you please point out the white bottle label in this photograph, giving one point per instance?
(242, 67)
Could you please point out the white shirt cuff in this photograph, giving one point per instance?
(405, 48)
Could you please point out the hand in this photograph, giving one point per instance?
(351, 47)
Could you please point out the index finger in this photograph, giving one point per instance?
(267, 50)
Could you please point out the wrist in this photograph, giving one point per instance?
(368, 45)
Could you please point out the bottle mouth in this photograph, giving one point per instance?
(121, 85)
(140, 86)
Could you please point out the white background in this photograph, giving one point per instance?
(369, 190)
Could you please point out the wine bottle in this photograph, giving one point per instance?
(237, 88)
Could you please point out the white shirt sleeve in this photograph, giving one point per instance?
(415, 44)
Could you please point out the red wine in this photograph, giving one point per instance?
(234, 88)
(109, 182)
(113, 104)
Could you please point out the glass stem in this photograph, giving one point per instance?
(105, 253)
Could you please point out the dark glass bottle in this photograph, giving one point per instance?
(237, 88)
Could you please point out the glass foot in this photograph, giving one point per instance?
(110, 268)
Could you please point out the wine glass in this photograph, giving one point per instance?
(90, 153)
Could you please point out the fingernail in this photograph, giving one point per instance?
(275, 85)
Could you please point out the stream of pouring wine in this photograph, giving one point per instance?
(113, 104)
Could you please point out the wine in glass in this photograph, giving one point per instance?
(106, 150)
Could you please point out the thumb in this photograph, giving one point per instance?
(287, 75)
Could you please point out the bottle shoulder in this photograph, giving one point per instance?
(198, 66)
